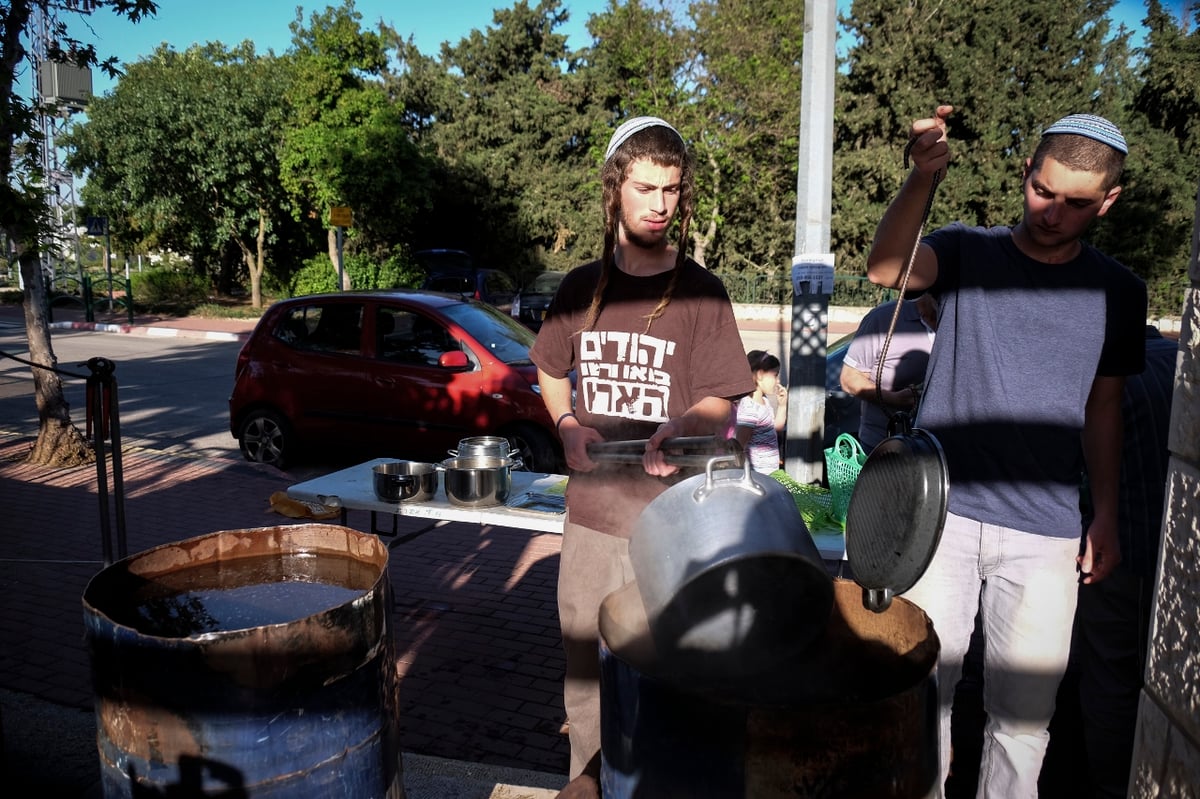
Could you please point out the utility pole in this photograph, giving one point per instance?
(59, 90)
(812, 263)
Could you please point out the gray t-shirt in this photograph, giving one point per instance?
(1018, 346)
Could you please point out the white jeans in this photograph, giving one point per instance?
(1025, 587)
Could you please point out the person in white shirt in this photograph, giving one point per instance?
(903, 368)
(760, 417)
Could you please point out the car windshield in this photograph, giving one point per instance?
(504, 338)
(547, 282)
(433, 261)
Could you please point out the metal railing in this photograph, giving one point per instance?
(86, 297)
(776, 289)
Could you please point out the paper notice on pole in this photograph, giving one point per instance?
(812, 273)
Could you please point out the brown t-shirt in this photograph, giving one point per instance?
(630, 381)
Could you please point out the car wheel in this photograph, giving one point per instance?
(266, 437)
(538, 449)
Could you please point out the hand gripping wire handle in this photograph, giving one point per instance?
(912, 257)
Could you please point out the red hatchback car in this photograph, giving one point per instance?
(400, 374)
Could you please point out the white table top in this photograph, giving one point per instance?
(353, 489)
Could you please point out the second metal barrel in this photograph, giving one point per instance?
(854, 716)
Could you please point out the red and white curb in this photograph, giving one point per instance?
(147, 330)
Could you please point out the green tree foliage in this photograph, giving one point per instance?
(183, 153)
(493, 144)
(1150, 228)
(365, 272)
(637, 64)
(746, 72)
(1010, 68)
(501, 113)
(345, 141)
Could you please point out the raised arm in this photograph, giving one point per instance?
(901, 223)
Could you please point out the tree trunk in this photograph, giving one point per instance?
(256, 259)
(59, 442)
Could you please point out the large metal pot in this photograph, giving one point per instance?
(731, 579)
(477, 482)
(405, 481)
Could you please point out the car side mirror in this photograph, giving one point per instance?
(454, 360)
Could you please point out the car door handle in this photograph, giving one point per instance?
(387, 382)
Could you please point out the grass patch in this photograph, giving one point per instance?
(228, 310)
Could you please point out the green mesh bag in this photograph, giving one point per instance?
(843, 461)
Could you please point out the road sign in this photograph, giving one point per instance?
(341, 216)
(97, 225)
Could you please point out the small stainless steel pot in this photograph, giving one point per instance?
(405, 481)
(477, 482)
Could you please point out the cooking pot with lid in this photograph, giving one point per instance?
(487, 447)
(731, 580)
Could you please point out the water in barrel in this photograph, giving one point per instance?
(242, 593)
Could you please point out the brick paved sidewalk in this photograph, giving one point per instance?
(477, 632)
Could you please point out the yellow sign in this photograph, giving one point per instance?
(341, 216)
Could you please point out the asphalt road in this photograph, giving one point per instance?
(172, 392)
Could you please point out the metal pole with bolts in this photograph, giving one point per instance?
(812, 263)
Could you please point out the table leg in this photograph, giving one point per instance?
(417, 533)
(395, 528)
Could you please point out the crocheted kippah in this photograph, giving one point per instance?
(1093, 127)
(630, 127)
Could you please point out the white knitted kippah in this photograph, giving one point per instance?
(630, 127)
(1093, 127)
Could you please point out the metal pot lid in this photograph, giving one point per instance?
(896, 515)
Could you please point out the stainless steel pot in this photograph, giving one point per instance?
(477, 482)
(731, 579)
(405, 481)
(487, 447)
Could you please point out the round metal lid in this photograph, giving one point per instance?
(896, 514)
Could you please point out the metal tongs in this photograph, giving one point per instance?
(694, 451)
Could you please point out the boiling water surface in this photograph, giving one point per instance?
(244, 593)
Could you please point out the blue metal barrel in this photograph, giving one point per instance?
(855, 715)
(247, 663)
